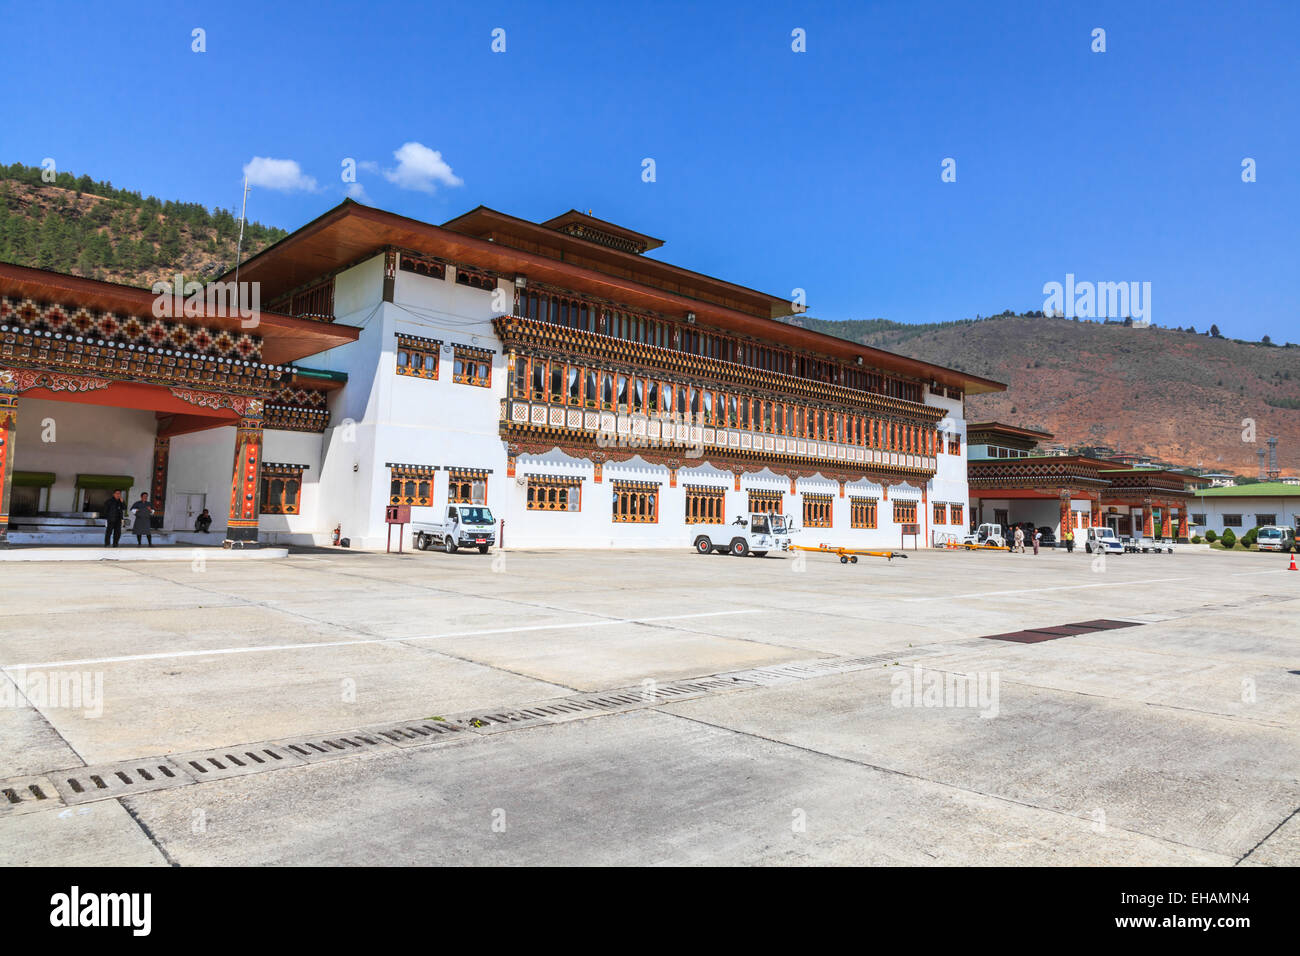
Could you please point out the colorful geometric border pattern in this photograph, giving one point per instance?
(304, 397)
(29, 316)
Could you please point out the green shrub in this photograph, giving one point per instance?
(1196, 538)
(1249, 537)
(1229, 539)
(1211, 536)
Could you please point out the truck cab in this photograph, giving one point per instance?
(754, 533)
(465, 526)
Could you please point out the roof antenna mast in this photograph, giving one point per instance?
(239, 247)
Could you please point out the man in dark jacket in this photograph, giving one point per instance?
(114, 511)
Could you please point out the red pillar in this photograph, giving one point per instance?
(245, 486)
(1148, 521)
(1182, 524)
(158, 493)
(924, 516)
(8, 434)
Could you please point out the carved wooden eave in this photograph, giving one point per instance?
(534, 337)
(145, 366)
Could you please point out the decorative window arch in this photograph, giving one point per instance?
(704, 504)
(554, 493)
(862, 512)
(635, 502)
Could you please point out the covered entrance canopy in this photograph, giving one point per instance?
(1057, 491)
(69, 339)
(1090, 492)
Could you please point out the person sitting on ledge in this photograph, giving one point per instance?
(203, 522)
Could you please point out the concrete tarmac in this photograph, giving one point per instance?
(1173, 741)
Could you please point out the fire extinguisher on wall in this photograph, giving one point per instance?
(337, 531)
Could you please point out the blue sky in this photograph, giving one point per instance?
(778, 170)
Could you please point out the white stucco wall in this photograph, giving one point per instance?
(87, 439)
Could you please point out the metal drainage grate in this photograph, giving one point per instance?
(236, 761)
(418, 733)
(715, 685)
(25, 794)
(315, 747)
(493, 722)
(87, 784)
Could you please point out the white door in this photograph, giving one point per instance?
(188, 507)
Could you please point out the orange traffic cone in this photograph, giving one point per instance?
(1293, 567)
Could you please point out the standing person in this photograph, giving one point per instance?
(1019, 540)
(1038, 536)
(141, 526)
(1069, 541)
(114, 511)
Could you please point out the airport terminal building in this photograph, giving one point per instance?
(588, 394)
(1012, 482)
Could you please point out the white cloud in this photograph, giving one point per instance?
(368, 165)
(358, 192)
(282, 174)
(421, 168)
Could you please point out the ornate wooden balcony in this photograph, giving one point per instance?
(655, 437)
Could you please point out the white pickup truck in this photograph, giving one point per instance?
(466, 526)
(755, 533)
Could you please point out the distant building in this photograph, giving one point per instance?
(1242, 507)
(1219, 479)
(1012, 482)
(997, 440)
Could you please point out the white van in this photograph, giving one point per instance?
(1104, 540)
(1273, 538)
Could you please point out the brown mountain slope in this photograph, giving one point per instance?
(1173, 395)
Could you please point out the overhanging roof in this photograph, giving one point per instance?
(351, 232)
(284, 339)
(1011, 430)
(574, 218)
(1260, 489)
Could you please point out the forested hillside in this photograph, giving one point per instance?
(84, 227)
